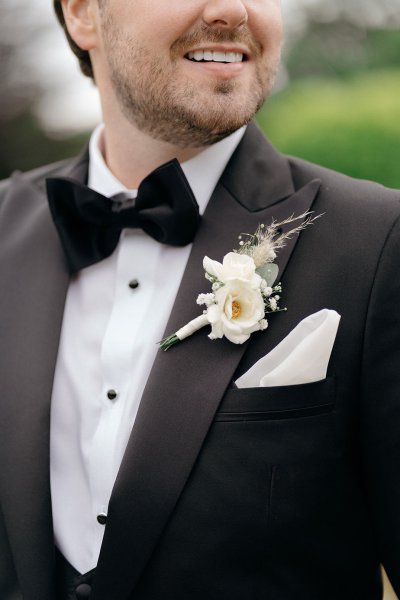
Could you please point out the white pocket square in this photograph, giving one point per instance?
(301, 357)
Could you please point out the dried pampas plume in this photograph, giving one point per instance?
(262, 245)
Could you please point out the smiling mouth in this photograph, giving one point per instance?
(215, 56)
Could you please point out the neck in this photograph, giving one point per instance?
(124, 146)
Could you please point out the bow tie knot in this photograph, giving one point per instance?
(89, 224)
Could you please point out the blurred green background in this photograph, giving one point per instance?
(337, 99)
(350, 125)
(342, 107)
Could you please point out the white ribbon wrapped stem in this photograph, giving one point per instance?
(191, 327)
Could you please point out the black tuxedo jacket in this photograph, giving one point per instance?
(285, 493)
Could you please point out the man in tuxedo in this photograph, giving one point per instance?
(128, 473)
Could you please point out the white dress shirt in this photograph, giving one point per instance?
(115, 313)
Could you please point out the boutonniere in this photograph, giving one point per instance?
(243, 289)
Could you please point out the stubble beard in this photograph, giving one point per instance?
(176, 111)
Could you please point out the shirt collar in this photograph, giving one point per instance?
(202, 171)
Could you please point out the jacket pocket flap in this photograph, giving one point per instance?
(275, 402)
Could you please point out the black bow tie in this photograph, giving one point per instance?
(89, 224)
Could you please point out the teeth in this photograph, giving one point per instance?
(219, 57)
(232, 57)
(208, 55)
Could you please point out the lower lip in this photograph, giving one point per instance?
(224, 70)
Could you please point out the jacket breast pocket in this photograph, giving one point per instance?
(277, 403)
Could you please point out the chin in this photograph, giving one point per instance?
(219, 122)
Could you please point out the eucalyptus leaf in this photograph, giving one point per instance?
(269, 272)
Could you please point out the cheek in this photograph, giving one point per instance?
(158, 24)
(265, 21)
(141, 20)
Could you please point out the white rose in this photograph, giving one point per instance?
(234, 266)
(237, 313)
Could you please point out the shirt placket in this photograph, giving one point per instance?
(119, 372)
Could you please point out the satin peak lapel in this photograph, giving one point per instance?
(187, 383)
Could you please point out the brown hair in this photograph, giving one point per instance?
(82, 55)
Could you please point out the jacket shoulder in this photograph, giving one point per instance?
(341, 187)
(36, 175)
(360, 213)
(74, 167)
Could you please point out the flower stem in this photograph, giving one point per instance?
(169, 341)
(184, 332)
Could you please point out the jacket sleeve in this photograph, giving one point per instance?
(9, 588)
(380, 405)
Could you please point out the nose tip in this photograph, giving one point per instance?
(228, 14)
